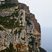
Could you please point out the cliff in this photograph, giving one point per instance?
(19, 29)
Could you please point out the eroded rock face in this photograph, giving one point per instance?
(19, 27)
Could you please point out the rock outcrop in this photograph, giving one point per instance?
(19, 28)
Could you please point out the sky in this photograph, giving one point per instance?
(43, 13)
(42, 10)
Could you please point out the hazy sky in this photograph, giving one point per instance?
(42, 10)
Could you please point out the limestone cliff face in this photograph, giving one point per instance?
(30, 15)
(19, 27)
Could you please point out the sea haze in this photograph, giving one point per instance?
(46, 38)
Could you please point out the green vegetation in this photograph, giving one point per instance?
(3, 6)
(7, 22)
(1, 28)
